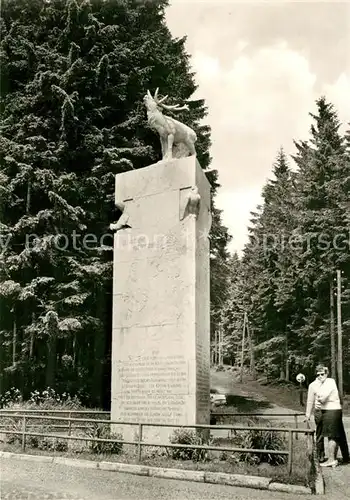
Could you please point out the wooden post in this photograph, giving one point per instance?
(24, 433)
(340, 338)
(69, 423)
(139, 446)
(332, 329)
(251, 349)
(14, 338)
(301, 398)
(296, 426)
(290, 451)
(221, 341)
(242, 352)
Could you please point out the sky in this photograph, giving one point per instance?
(260, 66)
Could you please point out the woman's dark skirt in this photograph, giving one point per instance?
(332, 423)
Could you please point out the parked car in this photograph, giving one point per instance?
(217, 399)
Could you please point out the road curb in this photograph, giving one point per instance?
(289, 488)
(256, 482)
(181, 474)
(245, 481)
(320, 486)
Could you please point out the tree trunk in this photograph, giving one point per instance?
(243, 347)
(286, 353)
(31, 345)
(332, 329)
(14, 340)
(97, 376)
(29, 193)
(251, 351)
(51, 363)
(74, 347)
(99, 355)
(2, 357)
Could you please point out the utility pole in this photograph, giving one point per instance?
(220, 346)
(212, 353)
(251, 349)
(243, 345)
(340, 337)
(332, 329)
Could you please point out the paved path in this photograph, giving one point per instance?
(337, 480)
(24, 480)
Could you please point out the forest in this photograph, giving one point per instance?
(286, 280)
(73, 78)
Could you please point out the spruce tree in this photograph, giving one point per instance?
(74, 74)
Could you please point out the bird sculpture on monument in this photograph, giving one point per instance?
(123, 220)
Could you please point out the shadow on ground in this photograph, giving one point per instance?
(246, 405)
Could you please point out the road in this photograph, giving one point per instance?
(337, 480)
(253, 402)
(24, 480)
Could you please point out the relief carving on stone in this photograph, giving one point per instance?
(124, 220)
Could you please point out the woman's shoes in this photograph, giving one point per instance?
(329, 463)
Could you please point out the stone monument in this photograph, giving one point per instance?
(160, 341)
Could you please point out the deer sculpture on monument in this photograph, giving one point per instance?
(171, 132)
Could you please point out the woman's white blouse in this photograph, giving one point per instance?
(328, 396)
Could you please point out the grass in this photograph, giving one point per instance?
(161, 457)
(247, 397)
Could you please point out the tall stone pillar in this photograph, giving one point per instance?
(160, 342)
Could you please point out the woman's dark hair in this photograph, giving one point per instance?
(322, 368)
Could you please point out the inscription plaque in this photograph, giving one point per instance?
(152, 388)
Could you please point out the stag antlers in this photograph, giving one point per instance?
(159, 102)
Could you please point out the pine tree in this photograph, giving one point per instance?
(298, 238)
(264, 262)
(73, 77)
(321, 217)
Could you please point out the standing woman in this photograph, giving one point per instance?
(314, 405)
(327, 397)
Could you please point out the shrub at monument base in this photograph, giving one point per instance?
(190, 437)
(44, 443)
(102, 431)
(264, 440)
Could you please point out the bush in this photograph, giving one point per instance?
(220, 368)
(51, 444)
(38, 442)
(187, 436)
(101, 431)
(50, 399)
(10, 397)
(269, 440)
(14, 425)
